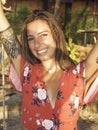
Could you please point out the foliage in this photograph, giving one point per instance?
(78, 52)
(16, 18)
(72, 51)
(80, 20)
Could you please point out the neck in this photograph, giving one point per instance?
(50, 66)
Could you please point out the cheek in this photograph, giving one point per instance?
(31, 46)
(51, 42)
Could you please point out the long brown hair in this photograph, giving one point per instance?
(61, 52)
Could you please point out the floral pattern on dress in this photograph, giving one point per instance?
(76, 70)
(66, 111)
(26, 74)
(74, 103)
(59, 95)
(48, 124)
(39, 94)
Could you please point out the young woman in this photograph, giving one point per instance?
(53, 88)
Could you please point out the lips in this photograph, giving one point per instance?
(42, 51)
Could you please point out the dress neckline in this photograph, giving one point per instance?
(60, 81)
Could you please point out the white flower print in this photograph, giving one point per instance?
(78, 68)
(38, 122)
(26, 71)
(39, 94)
(42, 94)
(84, 73)
(71, 97)
(74, 71)
(48, 124)
(76, 102)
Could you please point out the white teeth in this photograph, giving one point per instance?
(42, 51)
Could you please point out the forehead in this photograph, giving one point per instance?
(37, 25)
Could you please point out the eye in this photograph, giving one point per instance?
(43, 35)
(30, 38)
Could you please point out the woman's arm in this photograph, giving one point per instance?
(91, 67)
(9, 40)
(92, 62)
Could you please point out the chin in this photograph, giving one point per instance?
(44, 59)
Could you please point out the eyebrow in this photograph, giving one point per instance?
(29, 35)
(38, 33)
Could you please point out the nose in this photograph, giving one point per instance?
(36, 42)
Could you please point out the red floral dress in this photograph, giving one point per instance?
(37, 113)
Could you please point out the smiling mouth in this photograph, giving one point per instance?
(42, 51)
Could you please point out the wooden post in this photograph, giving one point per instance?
(3, 88)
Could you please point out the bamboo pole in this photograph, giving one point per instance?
(3, 88)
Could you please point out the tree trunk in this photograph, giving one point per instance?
(45, 4)
(56, 9)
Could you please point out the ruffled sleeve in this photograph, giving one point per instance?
(92, 92)
(14, 78)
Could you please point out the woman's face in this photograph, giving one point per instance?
(40, 40)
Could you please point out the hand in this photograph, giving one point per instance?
(3, 2)
(1, 5)
(7, 9)
(4, 24)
